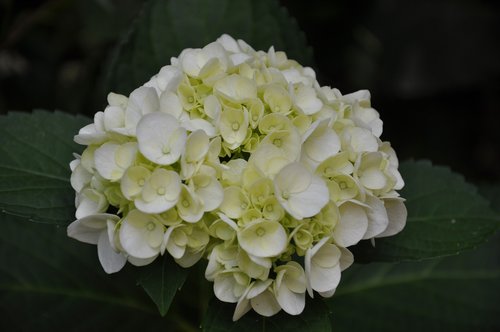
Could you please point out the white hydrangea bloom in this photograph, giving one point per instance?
(240, 157)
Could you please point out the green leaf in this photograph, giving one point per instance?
(492, 193)
(446, 215)
(313, 318)
(457, 293)
(164, 28)
(49, 282)
(35, 151)
(161, 280)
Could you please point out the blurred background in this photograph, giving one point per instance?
(432, 66)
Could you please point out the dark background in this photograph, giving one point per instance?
(432, 66)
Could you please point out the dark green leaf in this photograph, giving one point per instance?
(313, 318)
(446, 215)
(49, 282)
(457, 293)
(164, 28)
(161, 280)
(35, 151)
(492, 193)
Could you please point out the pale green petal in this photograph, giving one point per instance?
(175, 249)
(189, 206)
(277, 98)
(269, 160)
(160, 193)
(212, 107)
(135, 231)
(263, 239)
(133, 181)
(196, 146)
(235, 202)
(125, 155)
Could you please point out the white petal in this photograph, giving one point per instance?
(105, 163)
(90, 202)
(88, 229)
(352, 225)
(144, 99)
(373, 179)
(299, 192)
(172, 248)
(397, 213)
(228, 43)
(290, 302)
(377, 217)
(324, 280)
(307, 100)
(310, 202)
(346, 258)
(322, 143)
(265, 304)
(196, 146)
(170, 104)
(169, 78)
(140, 261)
(80, 177)
(236, 88)
(200, 124)
(223, 287)
(328, 293)
(160, 138)
(90, 135)
(189, 258)
(209, 190)
(111, 261)
(243, 306)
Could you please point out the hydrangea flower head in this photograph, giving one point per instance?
(241, 158)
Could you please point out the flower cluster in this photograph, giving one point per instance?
(240, 157)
